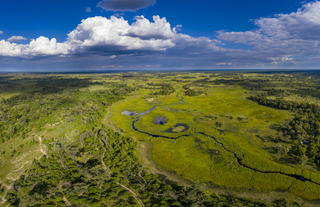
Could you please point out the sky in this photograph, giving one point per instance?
(98, 35)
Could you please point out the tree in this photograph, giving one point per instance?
(297, 153)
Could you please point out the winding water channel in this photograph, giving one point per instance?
(236, 156)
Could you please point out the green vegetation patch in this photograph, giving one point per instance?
(237, 158)
(72, 140)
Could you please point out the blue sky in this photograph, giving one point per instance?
(186, 35)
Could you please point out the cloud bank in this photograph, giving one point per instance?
(125, 5)
(285, 36)
(282, 41)
(99, 34)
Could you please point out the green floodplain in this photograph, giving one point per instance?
(160, 139)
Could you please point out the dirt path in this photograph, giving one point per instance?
(106, 169)
(20, 167)
(66, 201)
(42, 150)
(3, 197)
(3, 200)
(133, 194)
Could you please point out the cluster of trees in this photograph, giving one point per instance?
(250, 84)
(164, 88)
(285, 105)
(302, 131)
(310, 91)
(188, 91)
(19, 114)
(121, 89)
(49, 85)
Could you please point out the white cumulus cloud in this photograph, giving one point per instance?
(113, 34)
(160, 28)
(41, 46)
(116, 33)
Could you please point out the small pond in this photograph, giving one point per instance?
(160, 120)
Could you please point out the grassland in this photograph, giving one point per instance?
(60, 146)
